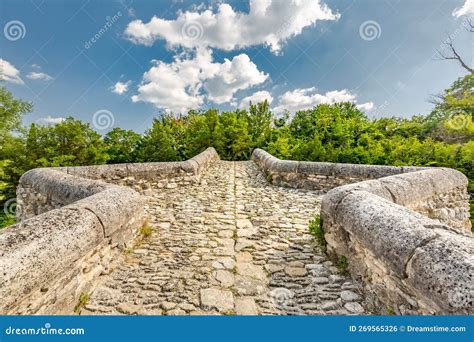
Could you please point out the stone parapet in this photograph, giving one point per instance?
(73, 223)
(405, 231)
(320, 176)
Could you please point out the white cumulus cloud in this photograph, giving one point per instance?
(39, 76)
(256, 97)
(231, 76)
(466, 9)
(9, 73)
(186, 82)
(365, 107)
(269, 22)
(120, 87)
(50, 120)
(307, 98)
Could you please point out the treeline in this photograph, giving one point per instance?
(334, 133)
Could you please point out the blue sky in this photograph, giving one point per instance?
(295, 55)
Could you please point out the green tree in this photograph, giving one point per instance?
(68, 143)
(259, 118)
(200, 131)
(11, 112)
(71, 142)
(122, 145)
(11, 147)
(165, 141)
(452, 119)
(233, 141)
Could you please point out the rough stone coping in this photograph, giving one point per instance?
(37, 250)
(270, 164)
(407, 189)
(147, 171)
(435, 261)
(65, 185)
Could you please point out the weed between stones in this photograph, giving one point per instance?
(316, 229)
(146, 230)
(83, 300)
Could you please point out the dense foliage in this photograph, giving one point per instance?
(329, 132)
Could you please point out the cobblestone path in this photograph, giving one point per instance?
(231, 245)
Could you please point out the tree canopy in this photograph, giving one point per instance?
(337, 132)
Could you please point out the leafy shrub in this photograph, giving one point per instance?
(316, 228)
(83, 300)
(146, 230)
(342, 265)
(6, 220)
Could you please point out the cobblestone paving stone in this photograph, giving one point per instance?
(232, 245)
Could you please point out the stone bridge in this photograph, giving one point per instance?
(206, 236)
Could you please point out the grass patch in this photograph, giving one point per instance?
(342, 265)
(83, 300)
(145, 230)
(6, 220)
(316, 229)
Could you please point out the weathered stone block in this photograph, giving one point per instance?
(442, 273)
(390, 231)
(115, 207)
(41, 248)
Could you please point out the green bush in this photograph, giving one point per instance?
(342, 265)
(146, 230)
(6, 220)
(316, 228)
(83, 300)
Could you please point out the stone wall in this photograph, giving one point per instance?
(320, 176)
(44, 189)
(406, 236)
(72, 227)
(144, 176)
